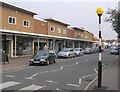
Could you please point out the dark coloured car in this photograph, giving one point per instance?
(43, 57)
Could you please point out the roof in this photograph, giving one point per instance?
(77, 28)
(95, 39)
(57, 21)
(9, 5)
(40, 19)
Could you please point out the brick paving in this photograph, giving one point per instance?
(16, 63)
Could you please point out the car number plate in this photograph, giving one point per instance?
(42, 59)
(36, 62)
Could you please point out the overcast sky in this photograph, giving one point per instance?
(80, 13)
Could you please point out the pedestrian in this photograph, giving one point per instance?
(45, 47)
(59, 49)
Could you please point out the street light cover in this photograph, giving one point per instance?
(99, 11)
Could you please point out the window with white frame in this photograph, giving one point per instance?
(52, 29)
(85, 36)
(78, 34)
(64, 31)
(59, 30)
(26, 23)
(75, 34)
(82, 35)
(12, 20)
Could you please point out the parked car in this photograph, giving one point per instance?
(66, 53)
(79, 51)
(114, 50)
(87, 51)
(43, 57)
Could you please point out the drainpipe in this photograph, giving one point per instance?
(15, 44)
(38, 44)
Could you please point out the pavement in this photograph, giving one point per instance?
(110, 74)
(110, 77)
(15, 63)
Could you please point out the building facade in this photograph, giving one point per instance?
(23, 35)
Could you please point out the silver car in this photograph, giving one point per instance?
(87, 51)
(114, 50)
(79, 51)
(66, 53)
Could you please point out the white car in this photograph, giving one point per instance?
(66, 53)
(79, 51)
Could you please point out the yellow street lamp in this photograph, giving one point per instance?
(99, 12)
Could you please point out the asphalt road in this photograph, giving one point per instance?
(65, 74)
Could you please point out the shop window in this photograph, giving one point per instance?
(52, 29)
(12, 20)
(26, 23)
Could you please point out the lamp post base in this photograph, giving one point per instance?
(99, 74)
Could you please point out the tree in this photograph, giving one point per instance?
(114, 19)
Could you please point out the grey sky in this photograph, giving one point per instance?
(80, 14)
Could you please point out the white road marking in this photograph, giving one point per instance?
(77, 63)
(53, 70)
(44, 72)
(88, 75)
(8, 84)
(74, 85)
(95, 70)
(11, 76)
(61, 68)
(80, 81)
(49, 81)
(32, 87)
(86, 60)
(31, 77)
(86, 88)
(58, 89)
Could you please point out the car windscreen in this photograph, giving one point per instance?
(114, 48)
(65, 50)
(77, 49)
(42, 53)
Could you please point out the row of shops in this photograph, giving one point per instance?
(26, 44)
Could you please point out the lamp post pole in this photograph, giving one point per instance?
(99, 12)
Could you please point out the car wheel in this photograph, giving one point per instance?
(30, 64)
(48, 62)
(69, 56)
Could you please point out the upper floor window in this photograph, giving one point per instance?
(78, 34)
(26, 23)
(85, 36)
(59, 30)
(52, 29)
(75, 34)
(64, 31)
(12, 20)
(82, 35)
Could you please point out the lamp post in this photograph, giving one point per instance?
(99, 12)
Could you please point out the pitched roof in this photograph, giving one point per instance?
(57, 21)
(77, 28)
(9, 5)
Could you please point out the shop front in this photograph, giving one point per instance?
(22, 45)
